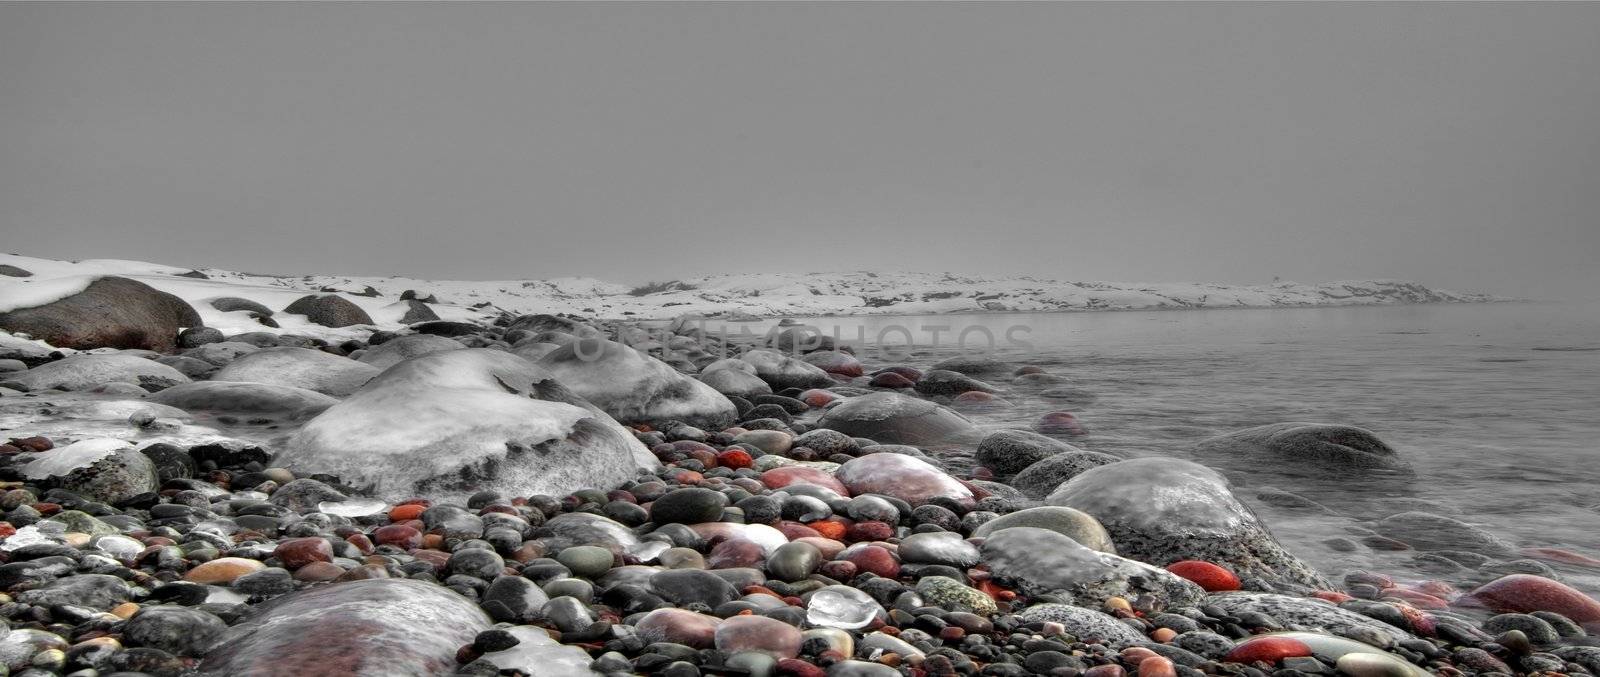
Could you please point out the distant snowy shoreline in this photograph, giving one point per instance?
(729, 297)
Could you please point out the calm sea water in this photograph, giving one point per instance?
(1496, 406)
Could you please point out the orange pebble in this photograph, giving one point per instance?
(401, 513)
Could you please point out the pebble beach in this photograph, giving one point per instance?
(544, 494)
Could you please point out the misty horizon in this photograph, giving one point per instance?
(1451, 145)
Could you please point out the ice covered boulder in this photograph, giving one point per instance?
(452, 423)
(105, 312)
(103, 469)
(226, 397)
(892, 418)
(904, 477)
(635, 388)
(370, 627)
(85, 371)
(1164, 510)
(397, 350)
(782, 371)
(18, 348)
(1042, 561)
(329, 310)
(325, 373)
(1307, 447)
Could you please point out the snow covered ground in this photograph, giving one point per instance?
(730, 296)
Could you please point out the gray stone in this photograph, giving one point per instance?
(1040, 562)
(300, 368)
(892, 418)
(1074, 524)
(1162, 510)
(635, 388)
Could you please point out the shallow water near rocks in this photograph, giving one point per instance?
(1493, 405)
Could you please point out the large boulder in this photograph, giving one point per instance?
(550, 323)
(325, 373)
(1039, 479)
(635, 388)
(110, 312)
(227, 397)
(329, 310)
(397, 350)
(782, 371)
(370, 627)
(102, 469)
(85, 371)
(412, 311)
(1164, 510)
(1309, 448)
(449, 424)
(1008, 452)
(892, 418)
(1042, 561)
(1427, 531)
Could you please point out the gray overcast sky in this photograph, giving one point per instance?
(1454, 144)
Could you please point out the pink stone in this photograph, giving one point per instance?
(679, 626)
(827, 546)
(298, 552)
(736, 553)
(796, 530)
(1523, 593)
(875, 560)
(758, 633)
(904, 477)
(1267, 649)
(1060, 423)
(891, 380)
(778, 478)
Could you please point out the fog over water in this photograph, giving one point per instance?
(1451, 144)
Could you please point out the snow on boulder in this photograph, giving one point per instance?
(325, 373)
(226, 397)
(103, 469)
(85, 371)
(105, 312)
(635, 388)
(397, 350)
(892, 418)
(449, 424)
(329, 310)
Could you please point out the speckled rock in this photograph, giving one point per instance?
(1162, 510)
(1306, 612)
(952, 595)
(1039, 561)
(1085, 624)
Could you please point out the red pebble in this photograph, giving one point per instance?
(1523, 593)
(1267, 649)
(1108, 670)
(735, 458)
(1332, 596)
(794, 667)
(875, 560)
(1419, 600)
(829, 529)
(839, 570)
(1209, 576)
(1060, 423)
(1157, 667)
(796, 530)
(7, 530)
(298, 552)
(399, 536)
(361, 542)
(817, 398)
(868, 531)
(403, 512)
(1562, 556)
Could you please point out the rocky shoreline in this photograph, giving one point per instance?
(549, 495)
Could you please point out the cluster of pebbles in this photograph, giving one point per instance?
(815, 531)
